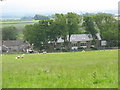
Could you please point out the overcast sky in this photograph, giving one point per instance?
(56, 6)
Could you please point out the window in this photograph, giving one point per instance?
(83, 44)
(74, 44)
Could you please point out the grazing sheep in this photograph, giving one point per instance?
(83, 50)
(44, 52)
(17, 57)
(22, 56)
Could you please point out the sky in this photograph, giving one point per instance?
(26, 7)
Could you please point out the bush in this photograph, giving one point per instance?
(93, 48)
(58, 49)
(64, 50)
(80, 48)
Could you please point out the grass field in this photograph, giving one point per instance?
(92, 69)
(18, 24)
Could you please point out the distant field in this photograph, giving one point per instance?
(117, 18)
(18, 24)
(92, 69)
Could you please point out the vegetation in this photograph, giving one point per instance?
(38, 34)
(90, 26)
(72, 23)
(9, 33)
(41, 33)
(62, 70)
(40, 17)
(108, 28)
(18, 24)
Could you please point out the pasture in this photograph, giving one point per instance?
(91, 69)
(19, 24)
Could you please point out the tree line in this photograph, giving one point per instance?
(41, 33)
(36, 17)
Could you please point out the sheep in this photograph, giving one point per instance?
(17, 57)
(83, 50)
(22, 56)
(44, 52)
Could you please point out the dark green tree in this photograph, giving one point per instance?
(55, 31)
(9, 33)
(60, 21)
(37, 34)
(68, 23)
(73, 20)
(90, 26)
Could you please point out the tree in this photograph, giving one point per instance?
(68, 23)
(60, 21)
(72, 21)
(108, 27)
(37, 34)
(9, 33)
(40, 17)
(90, 26)
(41, 33)
(105, 24)
(55, 31)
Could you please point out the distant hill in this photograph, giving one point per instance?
(20, 15)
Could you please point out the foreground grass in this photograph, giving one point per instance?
(94, 69)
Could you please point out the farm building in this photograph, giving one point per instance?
(13, 46)
(77, 41)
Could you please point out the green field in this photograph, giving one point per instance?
(91, 69)
(18, 24)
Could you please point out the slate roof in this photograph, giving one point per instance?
(78, 37)
(9, 43)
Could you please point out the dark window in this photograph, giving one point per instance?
(74, 44)
(83, 44)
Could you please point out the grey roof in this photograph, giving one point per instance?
(78, 37)
(8, 43)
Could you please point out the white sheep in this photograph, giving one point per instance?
(17, 57)
(44, 52)
(22, 56)
(83, 50)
